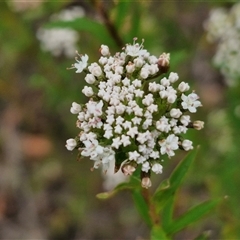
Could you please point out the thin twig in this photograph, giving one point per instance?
(108, 23)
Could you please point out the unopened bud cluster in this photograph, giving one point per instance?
(134, 115)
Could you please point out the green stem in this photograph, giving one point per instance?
(152, 209)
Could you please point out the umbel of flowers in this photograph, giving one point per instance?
(133, 116)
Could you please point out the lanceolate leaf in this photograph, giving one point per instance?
(141, 206)
(167, 213)
(168, 188)
(191, 216)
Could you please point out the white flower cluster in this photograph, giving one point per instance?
(131, 118)
(59, 41)
(223, 27)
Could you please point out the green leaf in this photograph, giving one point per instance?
(85, 24)
(157, 233)
(135, 22)
(167, 213)
(168, 188)
(191, 216)
(141, 206)
(121, 13)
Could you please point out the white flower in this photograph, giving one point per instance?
(90, 79)
(103, 61)
(119, 120)
(157, 168)
(155, 155)
(173, 77)
(185, 120)
(135, 50)
(136, 120)
(137, 83)
(133, 155)
(138, 111)
(138, 62)
(130, 67)
(87, 91)
(76, 108)
(110, 119)
(108, 134)
(95, 69)
(163, 125)
(169, 144)
(165, 82)
(183, 87)
(153, 87)
(118, 129)
(82, 64)
(116, 142)
(124, 113)
(126, 81)
(132, 132)
(120, 108)
(127, 124)
(104, 50)
(138, 93)
(141, 138)
(190, 102)
(147, 123)
(175, 113)
(125, 140)
(145, 166)
(144, 73)
(95, 108)
(148, 99)
(71, 144)
(187, 145)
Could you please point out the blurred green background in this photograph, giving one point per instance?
(45, 193)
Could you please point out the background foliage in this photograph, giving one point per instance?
(44, 192)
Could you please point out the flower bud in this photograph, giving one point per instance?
(76, 108)
(144, 73)
(173, 77)
(138, 62)
(130, 67)
(71, 144)
(146, 182)
(171, 98)
(157, 168)
(104, 50)
(183, 87)
(90, 79)
(198, 125)
(128, 169)
(87, 91)
(163, 62)
(187, 145)
(175, 113)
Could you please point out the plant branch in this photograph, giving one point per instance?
(152, 209)
(108, 23)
